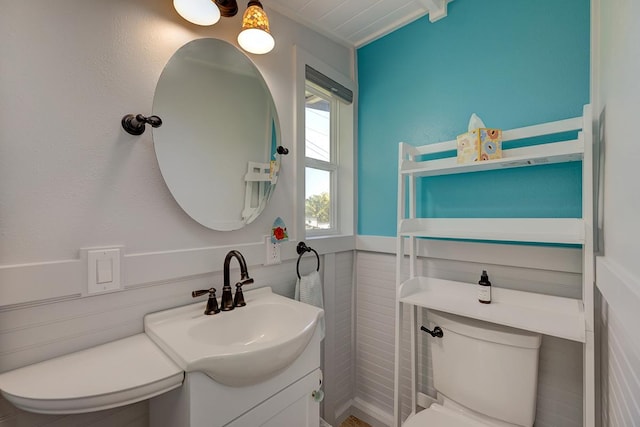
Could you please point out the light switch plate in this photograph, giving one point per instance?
(103, 270)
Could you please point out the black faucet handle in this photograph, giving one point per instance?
(238, 298)
(212, 302)
(196, 294)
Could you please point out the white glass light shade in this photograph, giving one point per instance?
(256, 41)
(255, 36)
(199, 12)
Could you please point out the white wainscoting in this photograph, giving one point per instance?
(339, 375)
(620, 373)
(375, 296)
(359, 344)
(552, 270)
(619, 344)
(36, 331)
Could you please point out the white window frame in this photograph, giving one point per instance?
(344, 152)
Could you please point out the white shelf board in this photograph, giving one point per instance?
(107, 376)
(556, 152)
(540, 230)
(549, 315)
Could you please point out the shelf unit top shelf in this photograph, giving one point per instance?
(545, 153)
(550, 315)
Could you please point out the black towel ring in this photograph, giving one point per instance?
(302, 249)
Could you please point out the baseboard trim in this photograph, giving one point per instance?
(343, 412)
(371, 414)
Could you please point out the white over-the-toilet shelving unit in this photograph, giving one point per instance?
(561, 317)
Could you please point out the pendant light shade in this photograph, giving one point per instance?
(255, 36)
(199, 12)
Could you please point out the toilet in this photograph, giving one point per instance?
(485, 374)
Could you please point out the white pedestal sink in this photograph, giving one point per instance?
(254, 366)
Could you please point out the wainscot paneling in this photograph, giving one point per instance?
(33, 332)
(340, 385)
(619, 344)
(623, 374)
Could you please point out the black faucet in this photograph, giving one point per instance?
(228, 302)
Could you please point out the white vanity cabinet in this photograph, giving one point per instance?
(293, 406)
(565, 318)
(283, 400)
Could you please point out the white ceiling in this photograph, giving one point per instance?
(357, 22)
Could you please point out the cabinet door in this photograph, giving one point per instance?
(293, 406)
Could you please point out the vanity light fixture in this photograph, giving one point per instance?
(254, 37)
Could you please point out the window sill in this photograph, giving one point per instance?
(332, 243)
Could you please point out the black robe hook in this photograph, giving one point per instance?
(135, 124)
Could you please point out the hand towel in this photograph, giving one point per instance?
(309, 291)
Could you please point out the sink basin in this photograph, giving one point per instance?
(240, 347)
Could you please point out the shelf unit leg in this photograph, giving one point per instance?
(588, 381)
(397, 422)
(414, 371)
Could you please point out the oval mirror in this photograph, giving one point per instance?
(217, 143)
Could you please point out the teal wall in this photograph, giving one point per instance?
(514, 63)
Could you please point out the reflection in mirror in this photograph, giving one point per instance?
(217, 146)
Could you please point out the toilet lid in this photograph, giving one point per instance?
(438, 416)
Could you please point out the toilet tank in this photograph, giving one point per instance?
(490, 368)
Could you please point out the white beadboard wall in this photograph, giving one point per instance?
(37, 332)
(338, 346)
(623, 380)
(615, 91)
(375, 317)
(620, 371)
(375, 296)
(560, 372)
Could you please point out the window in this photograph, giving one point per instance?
(325, 133)
(320, 161)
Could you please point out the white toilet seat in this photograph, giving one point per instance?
(439, 416)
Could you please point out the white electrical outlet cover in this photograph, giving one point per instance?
(272, 252)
